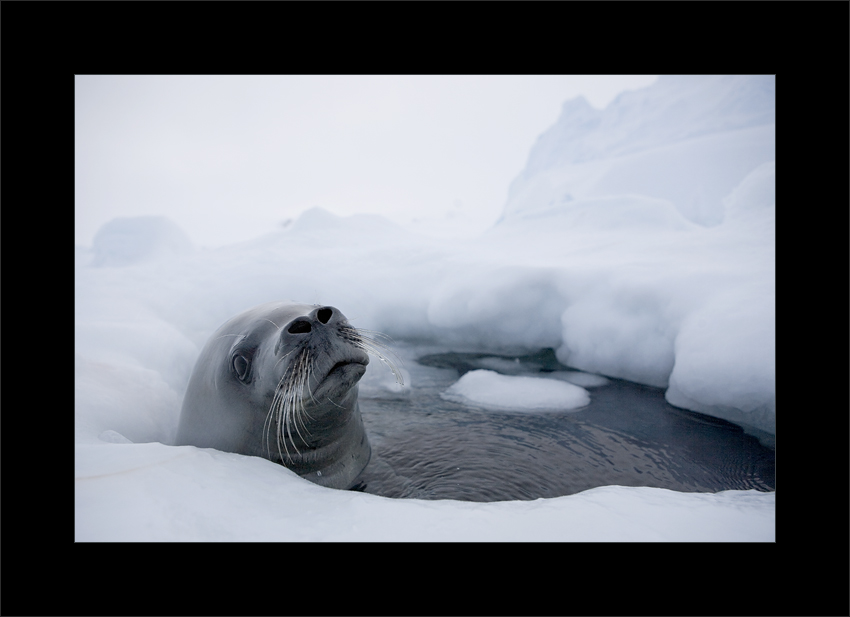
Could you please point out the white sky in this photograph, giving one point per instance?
(229, 158)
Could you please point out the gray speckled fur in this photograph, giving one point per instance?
(222, 411)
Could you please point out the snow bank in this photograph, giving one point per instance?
(657, 218)
(129, 240)
(152, 492)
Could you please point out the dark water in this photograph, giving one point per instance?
(428, 448)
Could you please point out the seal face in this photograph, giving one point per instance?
(280, 381)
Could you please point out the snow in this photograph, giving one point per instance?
(585, 380)
(491, 390)
(638, 243)
(152, 492)
(124, 241)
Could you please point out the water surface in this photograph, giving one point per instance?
(427, 448)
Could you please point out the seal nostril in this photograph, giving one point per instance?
(299, 327)
(324, 315)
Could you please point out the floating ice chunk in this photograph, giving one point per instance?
(509, 393)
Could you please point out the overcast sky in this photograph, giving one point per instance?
(230, 158)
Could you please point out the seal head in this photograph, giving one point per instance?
(280, 381)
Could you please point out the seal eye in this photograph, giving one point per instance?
(240, 367)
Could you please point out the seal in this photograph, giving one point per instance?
(280, 381)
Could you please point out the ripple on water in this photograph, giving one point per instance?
(425, 447)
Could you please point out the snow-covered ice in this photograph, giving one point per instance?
(638, 243)
(153, 492)
(491, 390)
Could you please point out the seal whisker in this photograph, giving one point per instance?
(291, 395)
(309, 389)
(303, 410)
(283, 425)
(268, 420)
(223, 335)
(275, 414)
(274, 411)
(372, 333)
(272, 323)
(289, 403)
(282, 357)
(372, 346)
(360, 335)
(281, 407)
(299, 403)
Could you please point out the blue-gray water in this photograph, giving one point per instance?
(427, 448)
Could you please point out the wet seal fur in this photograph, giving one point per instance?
(280, 381)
